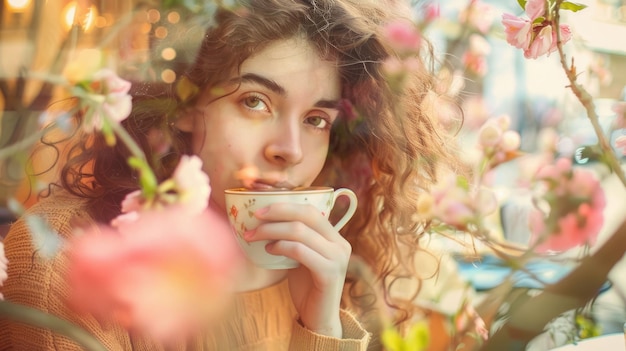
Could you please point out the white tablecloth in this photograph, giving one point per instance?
(610, 342)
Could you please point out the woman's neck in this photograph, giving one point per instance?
(253, 277)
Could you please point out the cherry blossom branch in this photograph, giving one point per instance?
(529, 319)
(586, 100)
(148, 181)
(127, 140)
(35, 317)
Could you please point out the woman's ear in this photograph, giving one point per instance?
(184, 122)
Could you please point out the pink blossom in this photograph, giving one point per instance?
(518, 30)
(511, 141)
(479, 15)
(165, 274)
(348, 110)
(536, 35)
(566, 33)
(132, 202)
(188, 187)
(454, 212)
(556, 171)
(404, 36)
(619, 108)
(489, 135)
(582, 184)
(496, 142)
(542, 43)
(107, 99)
(431, 11)
(124, 218)
(575, 229)
(535, 8)
(574, 203)
(620, 143)
(453, 203)
(545, 41)
(192, 184)
(494, 138)
(475, 63)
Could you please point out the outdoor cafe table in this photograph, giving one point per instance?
(609, 342)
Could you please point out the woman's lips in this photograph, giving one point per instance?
(269, 185)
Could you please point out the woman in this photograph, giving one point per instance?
(296, 89)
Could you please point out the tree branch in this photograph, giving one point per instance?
(586, 100)
(573, 291)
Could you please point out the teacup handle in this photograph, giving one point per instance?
(351, 208)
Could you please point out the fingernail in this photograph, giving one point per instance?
(249, 234)
(261, 211)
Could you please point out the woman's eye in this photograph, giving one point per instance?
(318, 122)
(254, 102)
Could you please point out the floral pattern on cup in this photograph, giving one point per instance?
(242, 203)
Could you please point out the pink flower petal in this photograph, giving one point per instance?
(535, 8)
(164, 274)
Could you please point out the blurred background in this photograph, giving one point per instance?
(150, 40)
(487, 77)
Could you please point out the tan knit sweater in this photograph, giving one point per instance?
(261, 320)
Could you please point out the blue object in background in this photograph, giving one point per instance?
(491, 271)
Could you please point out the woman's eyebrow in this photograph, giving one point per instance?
(266, 82)
(278, 89)
(334, 104)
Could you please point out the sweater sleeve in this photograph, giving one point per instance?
(38, 281)
(355, 337)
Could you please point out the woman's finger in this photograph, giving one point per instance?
(306, 214)
(316, 262)
(298, 232)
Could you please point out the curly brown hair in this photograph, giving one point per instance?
(391, 154)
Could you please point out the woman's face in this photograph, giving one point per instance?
(273, 131)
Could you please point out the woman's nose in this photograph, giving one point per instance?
(285, 145)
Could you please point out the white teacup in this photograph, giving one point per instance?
(241, 204)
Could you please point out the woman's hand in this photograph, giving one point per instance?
(301, 233)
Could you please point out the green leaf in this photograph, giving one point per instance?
(522, 4)
(186, 89)
(418, 337)
(109, 135)
(392, 340)
(462, 182)
(147, 180)
(539, 19)
(572, 6)
(416, 340)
